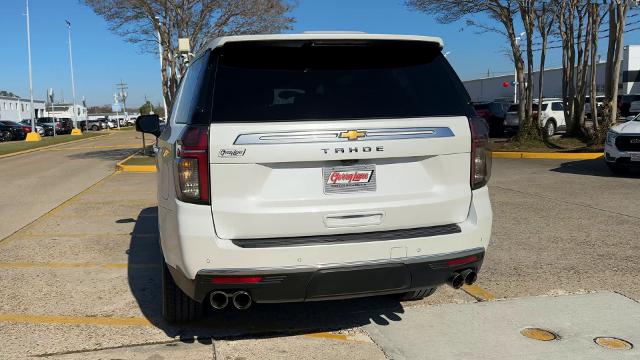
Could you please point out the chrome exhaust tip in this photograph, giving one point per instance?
(241, 300)
(456, 280)
(470, 276)
(219, 300)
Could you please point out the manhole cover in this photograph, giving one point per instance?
(538, 334)
(613, 343)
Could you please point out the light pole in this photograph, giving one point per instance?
(515, 70)
(164, 102)
(31, 108)
(73, 83)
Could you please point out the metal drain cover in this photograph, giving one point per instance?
(613, 343)
(538, 334)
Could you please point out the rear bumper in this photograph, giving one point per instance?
(341, 282)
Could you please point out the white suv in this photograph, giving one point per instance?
(319, 166)
(622, 147)
(551, 118)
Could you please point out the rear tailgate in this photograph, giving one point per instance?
(333, 137)
(275, 185)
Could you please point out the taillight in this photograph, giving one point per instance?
(480, 153)
(192, 165)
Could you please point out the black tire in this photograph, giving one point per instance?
(177, 307)
(416, 294)
(95, 128)
(7, 136)
(550, 128)
(617, 169)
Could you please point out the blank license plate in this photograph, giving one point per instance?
(635, 157)
(346, 179)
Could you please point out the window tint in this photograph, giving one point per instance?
(556, 106)
(513, 108)
(188, 96)
(298, 80)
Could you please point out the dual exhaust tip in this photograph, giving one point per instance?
(240, 299)
(458, 279)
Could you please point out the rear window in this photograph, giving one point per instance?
(320, 80)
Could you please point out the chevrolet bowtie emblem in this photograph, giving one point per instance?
(352, 134)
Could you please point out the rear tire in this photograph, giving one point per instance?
(550, 128)
(95, 128)
(177, 307)
(416, 294)
(6, 136)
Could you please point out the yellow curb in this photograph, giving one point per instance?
(120, 166)
(75, 320)
(328, 335)
(542, 155)
(51, 146)
(479, 293)
(136, 168)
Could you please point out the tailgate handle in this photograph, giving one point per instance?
(351, 220)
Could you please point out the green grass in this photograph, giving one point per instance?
(557, 144)
(140, 160)
(16, 146)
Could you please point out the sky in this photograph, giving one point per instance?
(102, 59)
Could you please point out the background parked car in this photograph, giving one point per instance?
(625, 102)
(61, 127)
(93, 125)
(599, 106)
(11, 130)
(494, 113)
(551, 117)
(26, 123)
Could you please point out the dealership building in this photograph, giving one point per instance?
(492, 88)
(17, 109)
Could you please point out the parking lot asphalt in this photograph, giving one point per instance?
(36, 182)
(83, 282)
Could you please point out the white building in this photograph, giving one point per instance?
(491, 88)
(17, 109)
(66, 111)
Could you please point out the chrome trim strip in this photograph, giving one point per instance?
(299, 137)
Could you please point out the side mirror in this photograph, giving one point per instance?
(149, 124)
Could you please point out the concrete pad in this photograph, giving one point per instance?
(491, 330)
(170, 350)
(297, 347)
(45, 178)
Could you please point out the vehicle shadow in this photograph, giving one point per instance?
(261, 320)
(111, 154)
(592, 167)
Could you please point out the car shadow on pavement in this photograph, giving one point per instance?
(593, 167)
(261, 320)
(112, 154)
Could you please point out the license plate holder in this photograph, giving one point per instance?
(635, 157)
(349, 179)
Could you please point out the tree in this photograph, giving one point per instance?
(617, 14)
(148, 23)
(146, 108)
(502, 11)
(545, 16)
(528, 125)
(159, 109)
